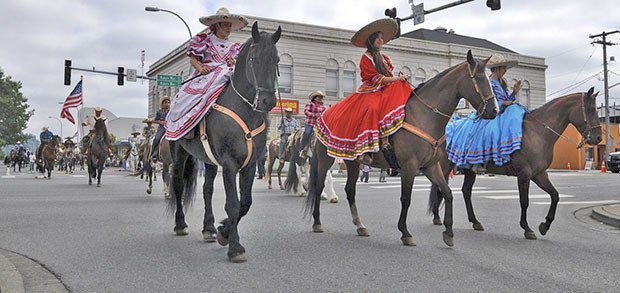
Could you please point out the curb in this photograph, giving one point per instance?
(605, 215)
(26, 275)
(10, 278)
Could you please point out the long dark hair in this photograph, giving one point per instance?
(502, 80)
(376, 54)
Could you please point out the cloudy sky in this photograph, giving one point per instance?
(37, 36)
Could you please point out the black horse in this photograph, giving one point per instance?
(18, 158)
(98, 152)
(235, 127)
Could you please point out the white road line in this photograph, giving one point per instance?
(532, 196)
(590, 202)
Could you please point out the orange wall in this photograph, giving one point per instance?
(565, 152)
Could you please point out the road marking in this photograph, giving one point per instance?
(531, 196)
(591, 202)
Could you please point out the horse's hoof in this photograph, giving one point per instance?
(148, 190)
(334, 200)
(181, 232)
(301, 194)
(408, 241)
(238, 258)
(530, 235)
(209, 237)
(362, 231)
(317, 228)
(221, 240)
(323, 197)
(98, 184)
(269, 187)
(281, 188)
(90, 183)
(543, 229)
(447, 239)
(437, 222)
(478, 227)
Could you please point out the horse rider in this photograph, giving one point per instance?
(361, 123)
(68, 144)
(287, 125)
(160, 119)
(313, 110)
(90, 122)
(212, 56)
(45, 136)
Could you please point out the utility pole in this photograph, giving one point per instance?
(604, 42)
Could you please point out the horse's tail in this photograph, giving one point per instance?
(312, 181)
(188, 178)
(292, 180)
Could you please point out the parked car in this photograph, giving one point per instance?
(613, 164)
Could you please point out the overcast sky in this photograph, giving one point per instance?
(37, 36)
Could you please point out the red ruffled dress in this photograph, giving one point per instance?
(354, 125)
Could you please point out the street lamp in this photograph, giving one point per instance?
(155, 9)
(59, 121)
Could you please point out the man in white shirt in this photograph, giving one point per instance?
(90, 122)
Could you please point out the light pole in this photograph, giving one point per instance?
(155, 9)
(59, 121)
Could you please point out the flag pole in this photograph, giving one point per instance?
(79, 124)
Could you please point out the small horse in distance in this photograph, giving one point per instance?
(427, 112)
(542, 128)
(235, 128)
(49, 155)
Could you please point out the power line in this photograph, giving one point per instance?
(572, 86)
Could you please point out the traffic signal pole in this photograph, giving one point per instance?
(120, 74)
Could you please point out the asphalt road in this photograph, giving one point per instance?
(116, 238)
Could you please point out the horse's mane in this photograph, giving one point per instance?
(549, 104)
(436, 77)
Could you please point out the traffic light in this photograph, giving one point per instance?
(390, 12)
(67, 72)
(494, 4)
(120, 78)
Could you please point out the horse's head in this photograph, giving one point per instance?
(477, 88)
(258, 61)
(55, 140)
(585, 118)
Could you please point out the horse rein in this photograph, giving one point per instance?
(257, 89)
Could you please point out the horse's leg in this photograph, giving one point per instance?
(524, 190)
(208, 224)
(353, 170)
(178, 188)
(318, 170)
(279, 171)
(466, 189)
(542, 180)
(148, 167)
(228, 228)
(100, 170)
(406, 184)
(329, 184)
(301, 191)
(435, 175)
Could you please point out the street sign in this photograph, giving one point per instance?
(168, 80)
(418, 13)
(132, 74)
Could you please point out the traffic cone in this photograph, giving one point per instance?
(603, 168)
(568, 167)
(451, 175)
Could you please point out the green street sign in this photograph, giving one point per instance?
(168, 80)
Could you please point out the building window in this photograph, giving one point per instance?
(285, 79)
(331, 82)
(348, 82)
(420, 77)
(524, 94)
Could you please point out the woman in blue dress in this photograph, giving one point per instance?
(472, 142)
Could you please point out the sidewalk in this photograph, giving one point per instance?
(20, 274)
(608, 214)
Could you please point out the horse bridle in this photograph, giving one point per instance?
(257, 88)
(484, 100)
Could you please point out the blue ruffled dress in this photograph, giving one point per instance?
(471, 141)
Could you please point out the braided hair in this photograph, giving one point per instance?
(376, 54)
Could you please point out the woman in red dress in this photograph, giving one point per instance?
(359, 125)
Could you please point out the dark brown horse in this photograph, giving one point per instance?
(427, 112)
(273, 150)
(98, 152)
(49, 154)
(541, 130)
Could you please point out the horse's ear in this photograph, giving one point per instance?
(255, 34)
(594, 95)
(590, 91)
(470, 59)
(487, 60)
(276, 36)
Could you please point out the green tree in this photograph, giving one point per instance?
(14, 112)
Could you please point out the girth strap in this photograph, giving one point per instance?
(419, 132)
(246, 131)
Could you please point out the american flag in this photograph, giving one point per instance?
(73, 100)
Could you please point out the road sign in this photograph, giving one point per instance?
(418, 13)
(131, 74)
(168, 80)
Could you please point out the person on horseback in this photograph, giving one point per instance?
(160, 119)
(68, 144)
(287, 125)
(90, 121)
(471, 142)
(45, 136)
(213, 57)
(313, 110)
(361, 123)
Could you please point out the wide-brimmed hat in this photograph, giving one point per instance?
(498, 60)
(69, 137)
(387, 26)
(223, 15)
(45, 128)
(289, 109)
(162, 99)
(135, 133)
(315, 94)
(98, 109)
